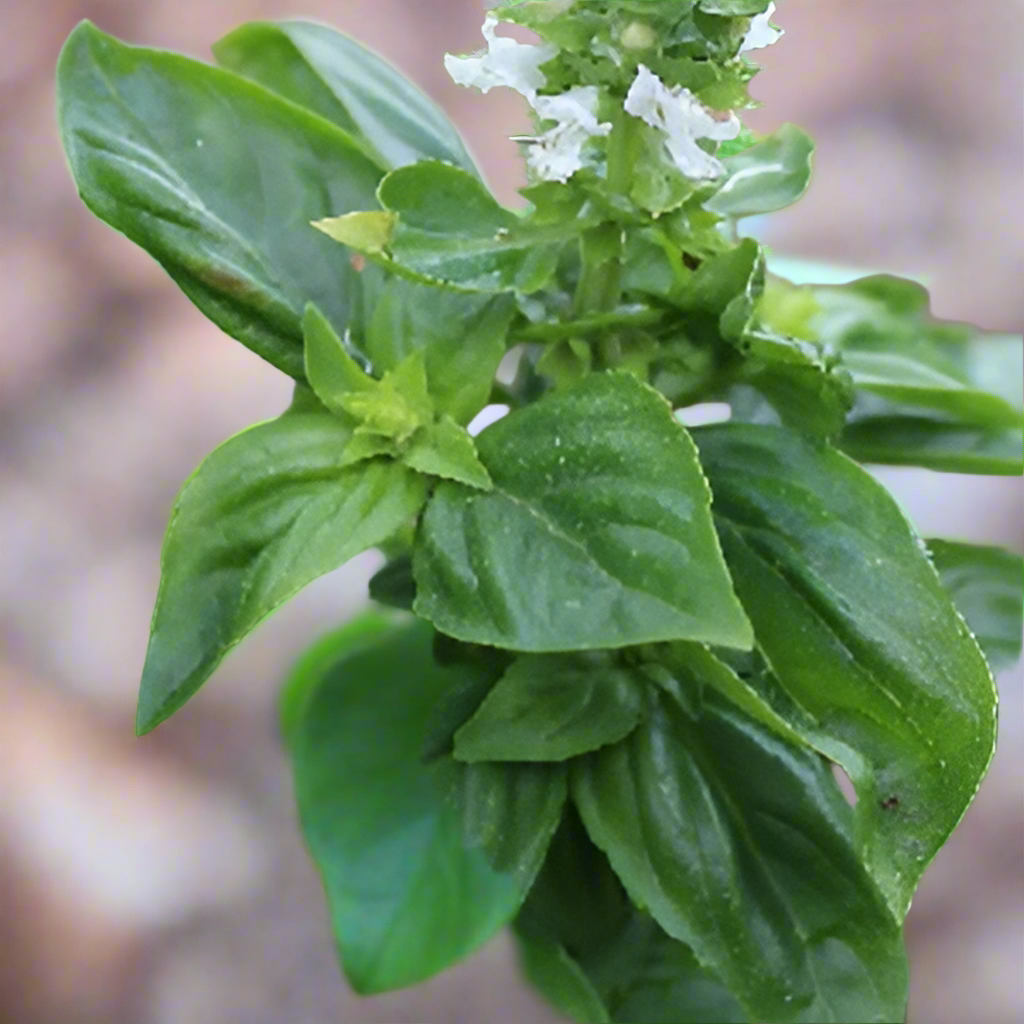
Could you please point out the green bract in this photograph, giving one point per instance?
(625, 656)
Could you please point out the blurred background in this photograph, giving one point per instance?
(162, 881)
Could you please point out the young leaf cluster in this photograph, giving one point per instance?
(623, 657)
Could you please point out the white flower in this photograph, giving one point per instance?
(683, 119)
(508, 63)
(557, 154)
(761, 33)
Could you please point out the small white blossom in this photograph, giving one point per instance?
(761, 33)
(558, 154)
(683, 119)
(507, 62)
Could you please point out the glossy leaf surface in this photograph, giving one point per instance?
(443, 226)
(407, 899)
(332, 75)
(742, 846)
(866, 656)
(180, 157)
(599, 502)
(268, 512)
(770, 175)
(551, 708)
(987, 585)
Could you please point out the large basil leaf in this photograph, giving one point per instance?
(597, 534)
(407, 899)
(339, 79)
(442, 226)
(268, 512)
(219, 180)
(553, 707)
(987, 585)
(742, 846)
(770, 175)
(867, 657)
(900, 440)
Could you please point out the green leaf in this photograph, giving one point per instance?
(463, 336)
(444, 449)
(742, 846)
(395, 407)
(896, 440)
(443, 227)
(733, 8)
(219, 180)
(393, 585)
(363, 631)
(867, 658)
(510, 811)
(268, 512)
(902, 378)
(770, 175)
(597, 534)
(561, 980)
(551, 708)
(406, 898)
(987, 585)
(344, 82)
(578, 923)
(330, 369)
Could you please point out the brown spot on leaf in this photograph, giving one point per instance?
(358, 261)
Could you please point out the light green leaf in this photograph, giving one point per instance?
(867, 658)
(218, 179)
(987, 585)
(444, 449)
(733, 8)
(510, 811)
(445, 228)
(902, 378)
(770, 175)
(463, 336)
(268, 512)
(742, 847)
(331, 371)
(396, 406)
(406, 898)
(334, 76)
(599, 503)
(896, 440)
(551, 708)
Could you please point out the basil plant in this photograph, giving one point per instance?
(618, 663)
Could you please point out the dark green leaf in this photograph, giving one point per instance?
(510, 811)
(363, 631)
(987, 585)
(598, 532)
(341, 80)
(219, 180)
(442, 226)
(551, 708)
(268, 512)
(578, 922)
(742, 846)
(770, 175)
(867, 657)
(934, 444)
(463, 336)
(393, 585)
(407, 899)
(561, 980)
